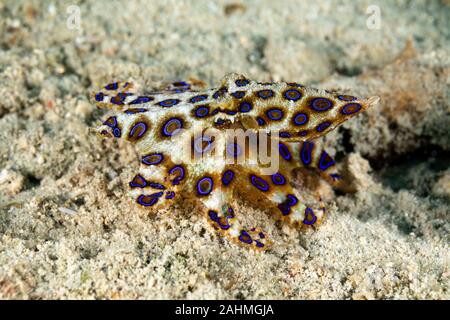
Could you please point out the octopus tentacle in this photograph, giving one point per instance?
(158, 182)
(311, 154)
(277, 193)
(223, 218)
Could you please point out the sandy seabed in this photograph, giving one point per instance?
(67, 227)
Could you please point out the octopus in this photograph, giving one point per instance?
(206, 144)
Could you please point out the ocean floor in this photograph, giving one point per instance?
(68, 228)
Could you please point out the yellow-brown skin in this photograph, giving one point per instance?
(299, 113)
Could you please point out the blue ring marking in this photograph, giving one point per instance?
(223, 226)
(292, 94)
(117, 132)
(118, 100)
(219, 93)
(306, 152)
(284, 151)
(213, 215)
(275, 114)
(245, 237)
(234, 149)
(300, 119)
(99, 96)
(261, 235)
(238, 94)
(177, 121)
(265, 93)
(278, 179)
(284, 208)
(230, 112)
(210, 187)
(216, 94)
(123, 95)
(260, 121)
(354, 108)
(284, 134)
(141, 125)
(335, 176)
(245, 107)
(303, 133)
(112, 86)
(315, 104)
(147, 159)
(170, 194)
(227, 177)
(157, 194)
(142, 197)
(111, 125)
(291, 200)
(259, 244)
(140, 183)
(168, 102)
(142, 99)
(242, 82)
(325, 161)
(198, 98)
(135, 110)
(219, 121)
(323, 126)
(202, 111)
(259, 183)
(309, 212)
(346, 97)
(157, 185)
(181, 84)
(178, 179)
